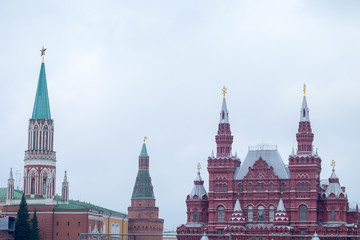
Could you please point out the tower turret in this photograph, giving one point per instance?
(304, 136)
(224, 139)
(197, 202)
(143, 214)
(40, 157)
(10, 188)
(65, 189)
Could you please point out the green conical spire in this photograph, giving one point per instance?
(41, 105)
(143, 152)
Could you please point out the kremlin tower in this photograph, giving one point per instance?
(143, 214)
(40, 158)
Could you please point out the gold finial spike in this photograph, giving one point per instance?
(198, 167)
(304, 89)
(224, 91)
(333, 164)
(43, 53)
(145, 139)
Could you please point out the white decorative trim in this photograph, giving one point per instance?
(48, 162)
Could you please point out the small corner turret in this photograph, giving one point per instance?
(65, 189)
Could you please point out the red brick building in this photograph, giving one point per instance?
(58, 216)
(262, 195)
(143, 214)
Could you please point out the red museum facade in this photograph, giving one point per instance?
(262, 198)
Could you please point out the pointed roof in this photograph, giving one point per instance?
(281, 206)
(198, 189)
(315, 237)
(41, 106)
(224, 113)
(11, 175)
(204, 237)
(304, 112)
(237, 207)
(143, 152)
(334, 186)
(65, 178)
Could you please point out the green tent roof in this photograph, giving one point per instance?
(143, 152)
(143, 187)
(41, 106)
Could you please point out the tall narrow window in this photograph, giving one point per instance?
(271, 186)
(303, 213)
(240, 187)
(271, 213)
(196, 216)
(332, 214)
(250, 213)
(33, 186)
(283, 187)
(217, 187)
(261, 214)
(250, 187)
(302, 187)
(221, 213)
(307, 186)
(299, 185)
(262, 187)
(259, 187)
(224, 187)
(44, 186)
(221, 187)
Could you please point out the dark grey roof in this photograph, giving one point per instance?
(270, 155)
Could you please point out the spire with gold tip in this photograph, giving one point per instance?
(304, 112)
(42, 106)
(224, 113)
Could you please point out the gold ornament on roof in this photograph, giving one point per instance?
(145, 139)
(224, 91)
(333, 164)
(304, 89)
(198, 167)
(43, 53)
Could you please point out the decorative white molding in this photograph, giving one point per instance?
(48, 162)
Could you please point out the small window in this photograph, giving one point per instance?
(299, 186)
(262, 187)
(196, 215)
(332, 214)
(240, 187)
(259, 187)
(78, 224)
(271, 213)
(283, 187)
(261, 214)
(68, 223)
(250, 213)
(302, 232)
(221, 187)
(271, 186)
(250, 187)
(221, 213)
(307, 186)
(217, 188)
(224, 187)
(57, 223)
(302, 187)
(303, 213)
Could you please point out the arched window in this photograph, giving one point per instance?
(112, 228)
(217, 187)
(224, 187)
(240, 187)
(44, 186)
(332, 214)
(259, 187)
(220, 213)
(250, 187)
(299, 186)
(303, 213)
(307, 186)
(261, 214)
(221, 186)
(302, 187)
(196, 216)
(262, 187)
(283, 187)
(271, 213)
(33, 186)
(117, 229)
(271, 186)
(250, 213)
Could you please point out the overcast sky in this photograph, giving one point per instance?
(121, 70)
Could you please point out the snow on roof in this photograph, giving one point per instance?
(269, 154)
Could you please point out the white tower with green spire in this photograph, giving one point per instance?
(40, 157)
